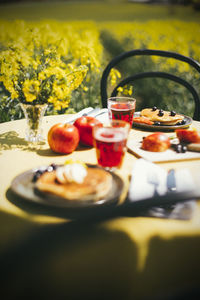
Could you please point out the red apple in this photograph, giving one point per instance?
(156, 142)
(85, 126)
(63, 138)
(188, 136)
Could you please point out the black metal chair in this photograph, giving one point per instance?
(130, 79)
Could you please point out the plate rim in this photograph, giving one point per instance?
(62, 202)
(162, 127)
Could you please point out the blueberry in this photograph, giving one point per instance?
(37, 174)
(54, 166)
(179, 123)
(172, 113)
(35, 178)
(183, 122)
(154, 108)
(157, 123)
(49, 169)
(161, 113)
(184, 148)
(180, 148)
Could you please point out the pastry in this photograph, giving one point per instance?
(187, 136)
(156, 142)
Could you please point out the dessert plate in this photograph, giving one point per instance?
(24, 187)
(188, 121)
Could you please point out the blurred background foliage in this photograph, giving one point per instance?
(175, 36)
(121, 27)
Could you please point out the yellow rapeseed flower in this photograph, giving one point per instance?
(31, 89)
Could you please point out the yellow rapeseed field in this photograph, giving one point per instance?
(77, 47)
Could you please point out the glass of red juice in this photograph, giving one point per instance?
(110, 141)
(121, 108)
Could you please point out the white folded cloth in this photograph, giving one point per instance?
(103, 116)
(79, 114)
(141, 186)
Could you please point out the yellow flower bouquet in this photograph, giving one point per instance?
(39, 76)
(36, 74)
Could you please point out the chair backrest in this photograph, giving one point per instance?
(148, 52)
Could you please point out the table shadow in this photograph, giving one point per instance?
(39, 209)
(27, 264)
(11, 140)
(48, 152)
(175, 264)
(99, 261)
(90, 215)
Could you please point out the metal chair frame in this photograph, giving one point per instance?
(151, 74)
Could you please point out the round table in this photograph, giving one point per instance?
(46, 255)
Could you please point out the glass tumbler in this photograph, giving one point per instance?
(121, 108)
(110, 141)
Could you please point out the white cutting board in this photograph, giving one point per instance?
(134, 145)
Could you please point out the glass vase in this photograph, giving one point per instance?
(34, 115)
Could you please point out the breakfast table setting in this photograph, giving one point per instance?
(139, 239)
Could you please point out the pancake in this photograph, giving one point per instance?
(96, 184)
(166, 119)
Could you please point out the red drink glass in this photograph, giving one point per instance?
(110, 142)
(121, 108)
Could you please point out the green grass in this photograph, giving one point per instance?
(97, 11)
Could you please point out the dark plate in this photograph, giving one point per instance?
(23, 186)
(188, 121)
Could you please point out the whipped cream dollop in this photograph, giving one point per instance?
(74, 172)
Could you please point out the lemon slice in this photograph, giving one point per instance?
(71, 161)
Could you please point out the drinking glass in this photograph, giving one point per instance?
(110, 141)
(121, 108)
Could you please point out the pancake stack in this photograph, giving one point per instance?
(162, 116)
(96, 184)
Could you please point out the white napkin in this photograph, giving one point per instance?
(103, 116)
(79, 114)
(141, 187)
